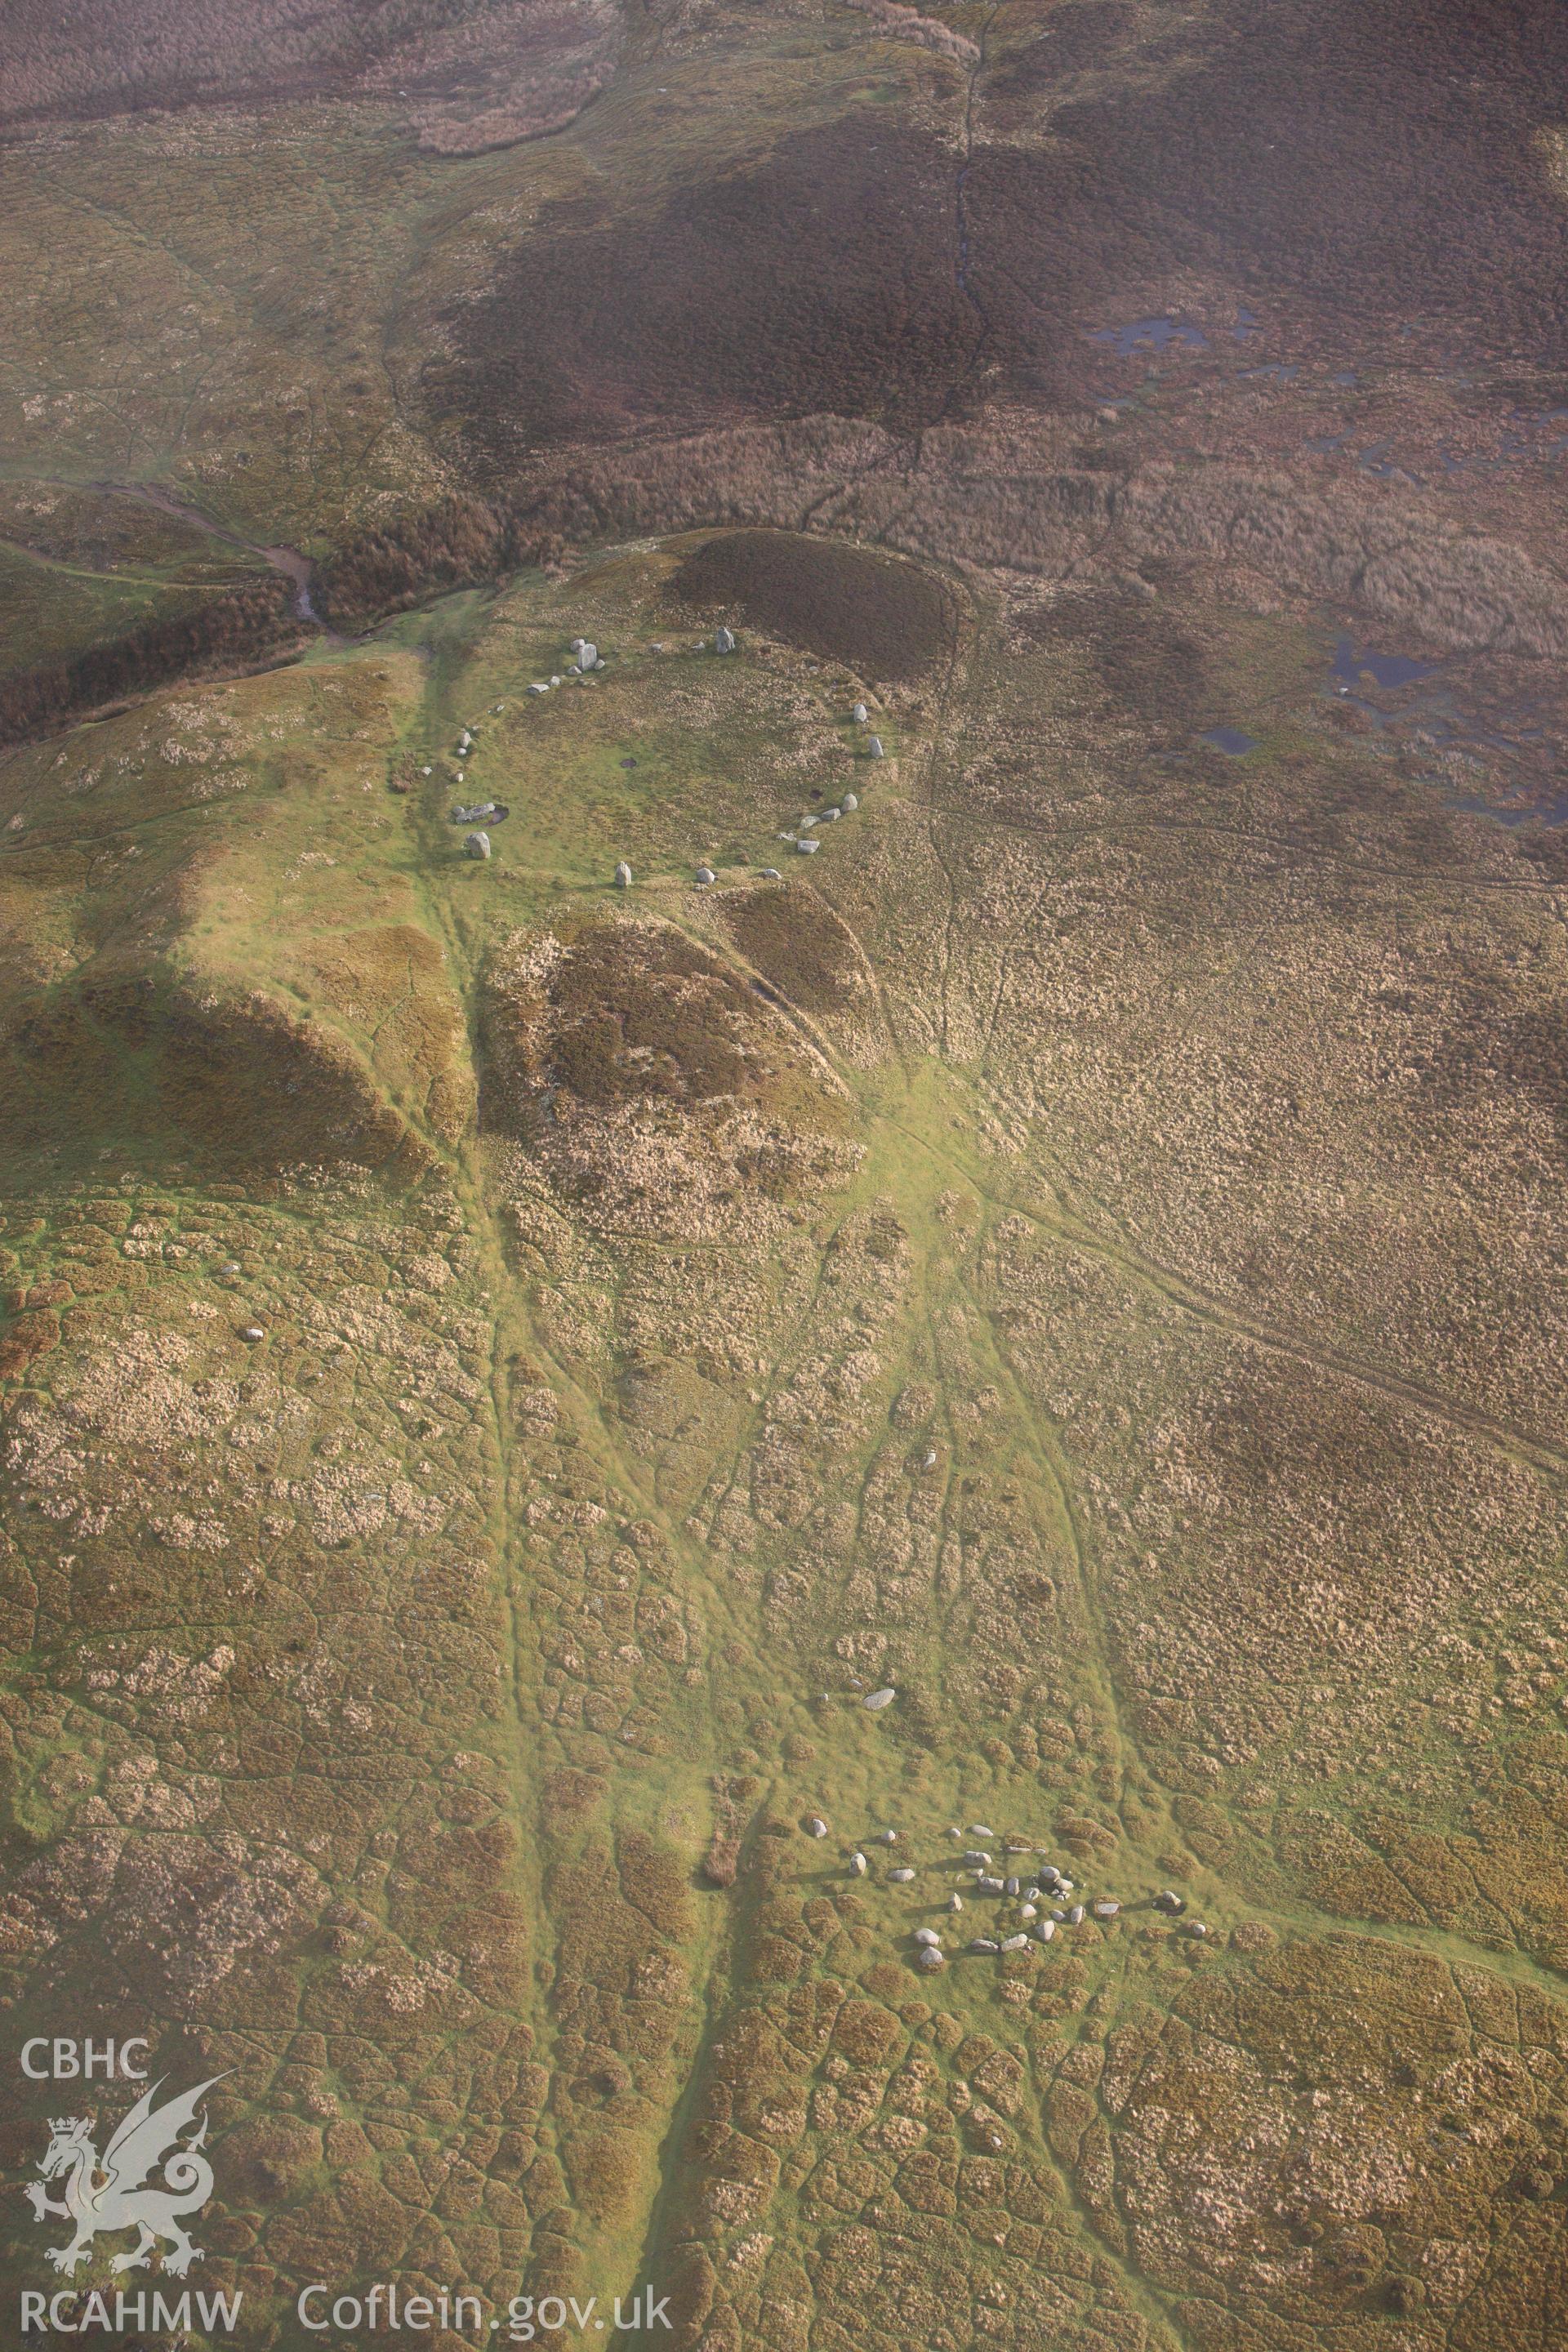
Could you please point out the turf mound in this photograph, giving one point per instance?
(798, 943)
(886, 619)
(231, 1087)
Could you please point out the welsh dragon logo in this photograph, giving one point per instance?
(110, 2192)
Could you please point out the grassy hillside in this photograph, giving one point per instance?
(498, 1368)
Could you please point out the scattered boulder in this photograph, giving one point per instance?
(1015, 1943)
(985, 1886)
(981, 1829)
(815, 1826)
(1046, 1930)
(252, 1332)
(538, 689)
(955, 1901)
(900, 1877)
(704, 874)
(808, 848)
(927, 1935)
(477, 844)
(1170, 1902)
(858, 1865)
(1105, 1910)
(886, 1837)
(1012, 1888)
(875, 1701)
(771, 874)
(984, 1944)
(1075, 1916)
(850, 803)
(976, 1855)
(930, 1958)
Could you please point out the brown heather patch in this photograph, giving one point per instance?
(888, 620)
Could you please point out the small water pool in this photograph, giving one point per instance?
(1151, 335)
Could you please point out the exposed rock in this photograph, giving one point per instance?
(1019, 1943)
(876, 1700)
(1012, 1887)
(1105, 1910)
(982, 1944)
(808, 848)
(253, 1331)
(900, 1877)
(704, 874)
(1046, 1930)
(1170, 1902)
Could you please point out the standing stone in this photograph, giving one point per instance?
(815, 1826)
(858, 1865)
(723, 641)
(849, 804)
(927, 1935)
(930, 1958)
(623, 876)
(874, 749)
(477, 844)
(859, 714)
(587, 655)
(704, 874)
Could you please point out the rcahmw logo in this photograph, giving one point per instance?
(149, 2178)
